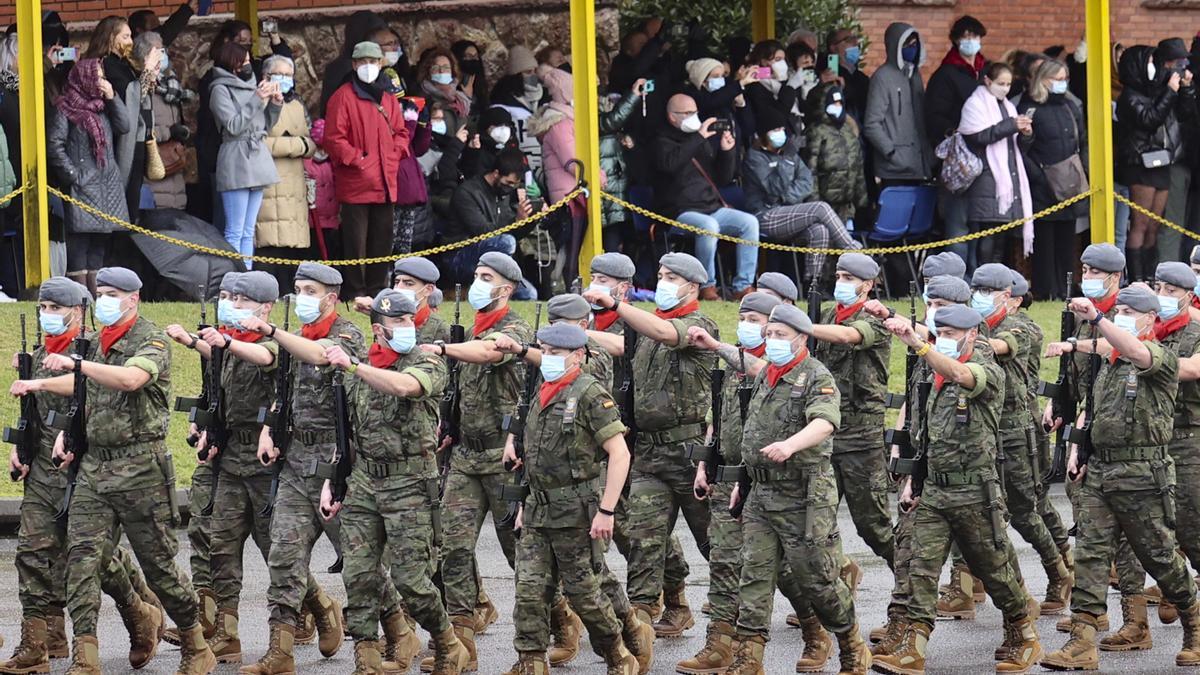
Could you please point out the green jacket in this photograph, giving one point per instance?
(613, 117)
(488, 393)
(398, 428)
(8, 173)
(1185, 446)
(834, 154)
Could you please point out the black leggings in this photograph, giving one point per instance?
(1054, 245)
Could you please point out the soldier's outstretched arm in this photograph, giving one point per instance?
(737, 360)
(308, 351)
(613, 344)
(813, 433)
(1189, 368)
(840, 335)
(659, 330)
(250, 352)
(1130, 346)
(476, 351)
(61, 385)
(380, 379)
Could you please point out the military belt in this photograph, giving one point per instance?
(587, 488)
(1184, 433)
(244, 436)
(863, 418)
(759, 474)
(411, 466)
(682, 432)
(482, 443)
(315, 436)
(1134, 454)
(952, 478)
(108, 454)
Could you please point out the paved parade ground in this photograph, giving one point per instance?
(956, 646)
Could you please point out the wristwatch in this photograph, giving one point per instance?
(272, 333)
(442, 345)
(1096, 321)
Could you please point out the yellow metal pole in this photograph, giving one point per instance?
(762, 20)
(1099, 89)
(587, 123)
(247, 10)
(33, 141)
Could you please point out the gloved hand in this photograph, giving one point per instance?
(181, 133)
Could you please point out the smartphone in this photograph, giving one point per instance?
(762, 73)
(648, 87)
(67, 54)
(269, 26)
(721, 125)
(832, 63)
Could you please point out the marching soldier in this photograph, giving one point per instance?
(416, 279)
(612, 273)
(572, 309)
(962, 500)
(391, 497)
(1130, 428)
(778, 285)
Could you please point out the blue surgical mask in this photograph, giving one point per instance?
(408, 293)
(223, 310)
(845, 292)
(599, 288)
(910, 54)
(777, 137)
(308, 308)
(438, 127)
(715, 83)
(779, 352)
(925, 295)
(108, 310)
(1058, 86)
(1092, 288)
(1126, 323)
(441, 78)
(403, 339)
(480, 294)
(749, 335)
(835, 110)
(969, 47)
(553, 367)
(1168, 307)
(947, 347)
(286, 82)
(853, 54)
(52, 324)
(1196, 288)
(666, 295)
(236, 316)
(983, 303)
(929, 320)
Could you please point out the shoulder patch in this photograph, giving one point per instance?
(159, 344)
(345, 336)
(608, 403)
(827, 390)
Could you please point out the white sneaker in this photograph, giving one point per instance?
(4, 297)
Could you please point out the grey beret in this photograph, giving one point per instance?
(435, 298)
(392, 303)
(992, 275)
(1195, 257)
(120, 278)
(564, 335)
(780, 283)
(859, 264)
(615, 265)
(567, 306)
(685, 266)
(791, 315)
(957, 316)
(257, 285)
(87, 295)
(418, 268)
(1020, 285)
(1105, 257)
(1138, 298)
(759, 302)
(1177, 274)
(229, 281)
(504, 265)
(62, 291)
(322, 274)
(946, 262)
(947, 287)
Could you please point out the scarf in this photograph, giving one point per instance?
(603, 319)
(939, 380)
(448, 94)
(565, 108)
(842, 313)
(682, 310)
(169, 88)
(996, 317)
(757, 352)
(421, 316)
(955, 58)
(318, 330)
(57, 344)
(1105, 305)
(549, 390)
(980, 112)
(1145, 337)
(775, 373)
(382, 356)
(83, 105)
(1164, 328)
(110, 334)
(9, 81)
(485, 320)
(243, 335)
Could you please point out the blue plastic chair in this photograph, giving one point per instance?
(905, 215)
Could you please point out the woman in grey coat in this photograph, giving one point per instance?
(243, 111)
(80, 150)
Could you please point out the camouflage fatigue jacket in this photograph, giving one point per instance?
(1015, 416)
(397, 428)
(1185, 444)
(488, 392)
(861, 373)
(564, 458)
(1033, 365)
(599, 363)
(246, 388)
(1079, 370)
(312, 393)
(42, 470)
(435, 328)
(731, 415)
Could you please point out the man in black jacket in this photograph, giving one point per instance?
(688, 170)
(484, 204)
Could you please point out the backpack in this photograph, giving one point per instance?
(960, 166)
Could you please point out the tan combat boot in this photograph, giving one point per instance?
(639, 639)
(195, 658)
(1080, 651)
(530, 663)
(450, 655)
(1190, 654)
(715, 656)
(85, 656)
(207, 610)
(1024, 648)
(1153, 595)
(464, 630)
(306, 627)
(706, 608)
(327, 612)
(1058, 588)
(1135, 633)
(853, 654)
(400, 644)
(278, 660)
(225, 643)
(978, 592)
(958, 601)
(851, 575)
(1064, 624)
(748, 658)
(793, 620)
(676, 616)
(892, 635)
(143, 622)
(567, 628)
(1167, 612)
(367, 659)
(30, 655)
(486, 613)
(149, 597)
(617, 659)
(817, 646)
(908, 658)
(57, 646)
(1067, 556)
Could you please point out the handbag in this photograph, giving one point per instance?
(960, 166)
(174, 157)
(154, 162)
(1154, 159)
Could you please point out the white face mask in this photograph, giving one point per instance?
(367, 72)
(999, 90)
(690, 124)
(500, 134)
(749, 334)
(1151, 71)
(391, 58)
(1126, 323)
(780, 70)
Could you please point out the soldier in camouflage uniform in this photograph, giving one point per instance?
(126, 479)
(672, 403)
(1127, 484)
(391, 500)
(416, 279)
(962, 501)
(778, 285)
(41, 555)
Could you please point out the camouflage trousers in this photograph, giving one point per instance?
(863, 483)
(1131, 576)
(199, 528)
(655, 502)
(547, 556)
(145, 516)
(902, 569)
(41, 558)
(1050, 515)
(1021, 495)
(675, 570)
(388, 522)
(466, 502)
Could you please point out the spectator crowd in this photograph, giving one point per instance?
(790, 141)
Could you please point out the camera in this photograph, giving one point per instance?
(269, 26)
(721, 125)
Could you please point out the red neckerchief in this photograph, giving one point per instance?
(757, 352)
(110, 334)
(421, 316)
(1196, 301)
(842, 313)
(382, 356)
(954, 58)
(318, 330)
(938, 380)
(996, 317)
(550, 389)
(57, 344)
(242, 335)
(1105, 305)
(485, 320)
(604, 319)
(775, 373)
(1112, 358)
(678, 311)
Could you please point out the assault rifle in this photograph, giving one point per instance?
(25, 434)
(626, 391)
(902, 437)
(1062, 397)
(339, 471)
(515, 425)
(710, 452)
(450, 414)
(73, 424)
(814, 300)
(1081, 434)
(208, 414)
(279, 416)
(738, 473)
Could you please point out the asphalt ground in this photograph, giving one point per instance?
(955, 647)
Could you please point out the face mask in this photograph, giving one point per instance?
(690, 124)
(500, 134)
(224, 308)
(1058, 87)
(983, 303)
(834, 110)
(929, 320)
(237, 316)
(779, 352)
(246, 72)
(503, 190)
(853, 54)
(998, 90)
(553, 367)
(1126, 323)
(1168, 307)
(408, 293)
(531, 81)
(715, 83)
(777, 137)
(599, 288)
(403, 339)
(438, 127)
(52, 324)
(845, 292)
(666, 295)
(286, 82)
(947, 347)
(1151, 71)
(441, 78)
(780, 70)
(1092, 288)
(391, 58)
(480, 294)
(308, 308)
(1196, 288)
(910, 54)
(108, 310)
(969, 47)
(749, 335)
(367, 72)
(411, 114)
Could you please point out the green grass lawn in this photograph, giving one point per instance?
(185, 365)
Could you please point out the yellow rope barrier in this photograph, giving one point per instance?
(15, 193)
(1155, 217)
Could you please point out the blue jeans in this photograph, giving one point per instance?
(732, 222)
(241, 214)
(953, 209)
